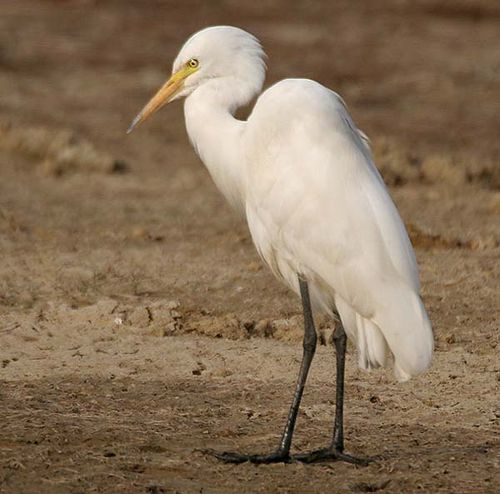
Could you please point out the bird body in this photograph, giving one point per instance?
(315, 203)
(316, 206)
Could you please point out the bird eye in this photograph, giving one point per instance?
(193, 63)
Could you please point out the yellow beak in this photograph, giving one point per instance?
(162, 97)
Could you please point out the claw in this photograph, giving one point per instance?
(328, 454)
(325, 454)
(236, 458)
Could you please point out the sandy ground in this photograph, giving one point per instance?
(138, 325)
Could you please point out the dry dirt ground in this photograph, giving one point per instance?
(137, 323)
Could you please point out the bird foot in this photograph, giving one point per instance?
(320, 455)
(330, 454)
(229, 457)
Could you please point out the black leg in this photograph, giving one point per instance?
(336, 449)
(309, 345)
(340, 342)
(282, 454)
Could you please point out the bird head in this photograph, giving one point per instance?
(212, 54)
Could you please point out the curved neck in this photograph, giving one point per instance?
(217, 135)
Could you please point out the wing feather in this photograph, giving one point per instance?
(317, 205)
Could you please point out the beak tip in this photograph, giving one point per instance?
(133, 124)
(163, 96)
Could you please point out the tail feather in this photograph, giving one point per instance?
(408, 332)
(372, 347)
(402, 329)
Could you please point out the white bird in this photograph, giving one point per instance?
(318, 211)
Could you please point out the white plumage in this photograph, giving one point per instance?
(316, 206)
(314, 200)
(315, 203)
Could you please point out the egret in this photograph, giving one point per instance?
(317, 209)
